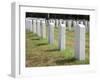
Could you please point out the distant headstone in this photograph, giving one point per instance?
(80, 42)
(81, 22)
(43, 29)
(51, 32)
(46, 22)
(34, 26)
(38, 28)
(74, 24)
(28, 24)
(57, 22)
(53, 20)
(69, 25)
(88, 25)
(77, 22)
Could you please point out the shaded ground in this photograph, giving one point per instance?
(40, 53)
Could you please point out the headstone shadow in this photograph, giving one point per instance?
(35, 39)
(51, 50)
(40, 44)
(63, 61)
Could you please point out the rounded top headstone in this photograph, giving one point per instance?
(51, 23)
(34, 20)
(62, 25)
(38, 20)
(81, 22)
(43, 21)
(81, 25)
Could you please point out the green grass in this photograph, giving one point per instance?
(40, 53)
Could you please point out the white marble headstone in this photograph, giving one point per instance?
(69, 25)
(43, 29)
(74, 24)
(80, 42)
(57, 22)
(81, 22)
(62, 31)
(87, 25)
(28, 24)
(38, 28)
(51, 32)
(77, 21)
(34, 26)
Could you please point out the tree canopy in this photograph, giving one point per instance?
(57, 16)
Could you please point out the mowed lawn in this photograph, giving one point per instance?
(40, 53)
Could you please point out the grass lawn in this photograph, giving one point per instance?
(40, 53)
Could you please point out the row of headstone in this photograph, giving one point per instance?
(28, 24)
(79, 38)
(70, 24)
(38, 26)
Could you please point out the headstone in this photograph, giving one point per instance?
(43, 29)
(62, 31)
(53, 20)
(46, 22)
(51, 32)
(81, 22)
(38, 28)
(80, 42)
(69, 25)
(60, 21)
(28, 24)
(34, 26)
(74, 24)
(66, 24)
(57, 22)
(77, 22)
(87, 25)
